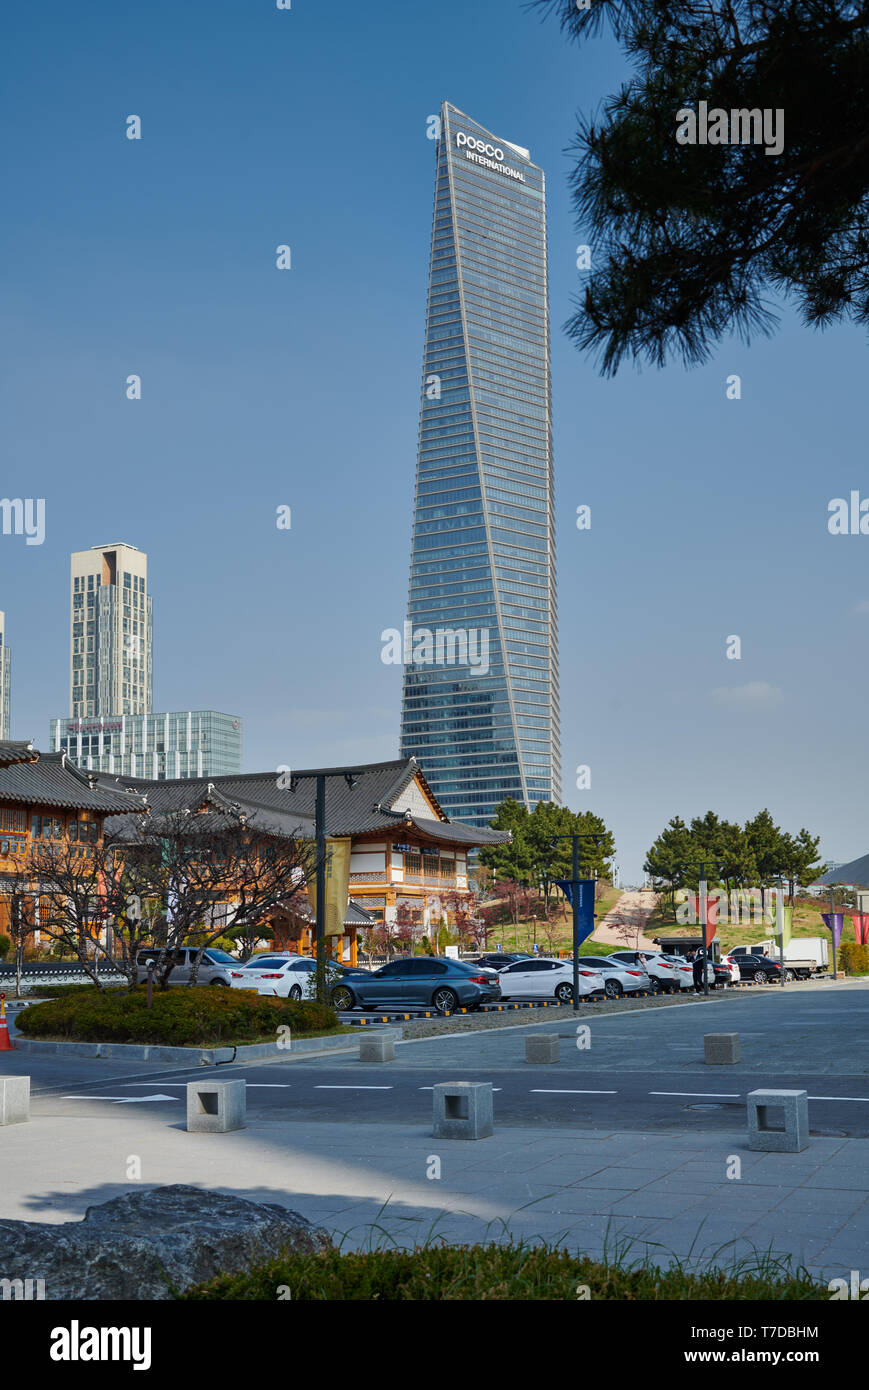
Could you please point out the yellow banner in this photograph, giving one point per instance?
(787, 919)
(337, 886)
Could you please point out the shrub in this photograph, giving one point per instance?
(179, 1017)
(853, 958)
(511, 1272)
(5, 946)
(59, 991)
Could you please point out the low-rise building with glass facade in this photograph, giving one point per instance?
(162, 747)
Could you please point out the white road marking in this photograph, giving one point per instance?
(123, 1100)
(864, 1099)
(547, 1091)
(259, 1085)
(725, 1095)
(431, 1088)
(354, 1088)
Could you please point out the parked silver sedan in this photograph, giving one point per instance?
(618, 977)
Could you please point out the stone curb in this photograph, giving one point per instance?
(207, 1056)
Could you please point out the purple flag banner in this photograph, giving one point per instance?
(834, 922)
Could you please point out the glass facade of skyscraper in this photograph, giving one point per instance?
(481, 702)
(178, 743)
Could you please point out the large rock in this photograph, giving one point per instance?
(136, 1246)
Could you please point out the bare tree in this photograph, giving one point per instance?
(219, 873)
(161, 881)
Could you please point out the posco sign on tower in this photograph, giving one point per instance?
(479, 152)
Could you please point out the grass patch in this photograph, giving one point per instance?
(513, 1272)
(178, 1017)
(522, 937)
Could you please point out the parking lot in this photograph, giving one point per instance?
(632, 1138)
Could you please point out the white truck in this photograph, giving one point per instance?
(804, 956)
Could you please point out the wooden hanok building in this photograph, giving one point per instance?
(389, 842)
(44, 797)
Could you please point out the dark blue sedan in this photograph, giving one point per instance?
(423, 981)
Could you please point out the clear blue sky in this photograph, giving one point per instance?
(263, 388)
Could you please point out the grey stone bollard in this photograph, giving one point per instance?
(720, 1049)
(794, 1106)
(378, 1047)
(14, 1100)
(542, 1049)
(463, 1110)
(215, 1107)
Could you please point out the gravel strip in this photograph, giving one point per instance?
(556, 1013)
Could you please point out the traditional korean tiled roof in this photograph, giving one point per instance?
(16, 751)
(377, 801)
(355, 916)
(53, 780)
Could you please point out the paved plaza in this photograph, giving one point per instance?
(632, 1143)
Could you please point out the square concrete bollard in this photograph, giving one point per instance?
(794, 1106)
(463, 1110)
(720, 1049)
(542, 1049)
(378, 1047)
(215, 1107)
(14, 1100)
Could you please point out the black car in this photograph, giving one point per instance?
(761, 969)
(722, 973)
(496, 960)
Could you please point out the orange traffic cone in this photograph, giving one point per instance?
(6, 1044)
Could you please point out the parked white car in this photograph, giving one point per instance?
(289, 977)
(732, 966)
(618, 978)
(659, 967)
(544, 978)
(685, 971)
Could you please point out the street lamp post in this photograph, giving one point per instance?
(596, 839)
(351, 778)
(702, 905)
(833, 933)
(780, 923)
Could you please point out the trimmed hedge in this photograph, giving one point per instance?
(516, 1272)
(178, 1017)
(59, 991)
(853, 958)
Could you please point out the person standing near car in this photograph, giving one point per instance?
(697, 968)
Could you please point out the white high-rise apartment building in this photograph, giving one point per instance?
(110, 662)
(5, 680)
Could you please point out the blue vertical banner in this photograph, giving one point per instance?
(586, 902)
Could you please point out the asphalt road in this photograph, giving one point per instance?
(645, 1071)
(524, 1096)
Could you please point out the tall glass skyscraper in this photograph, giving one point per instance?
(481, 702)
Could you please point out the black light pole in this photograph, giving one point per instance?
(703, 894)
(780, 923)
(596, 839)
(833, 932)
(320, 850)
(351, 778)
